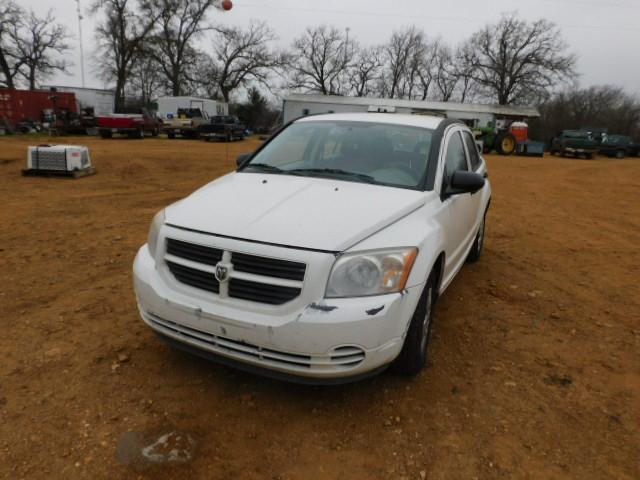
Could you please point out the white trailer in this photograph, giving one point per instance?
(475, 115)
(102, 101)
(168, 106)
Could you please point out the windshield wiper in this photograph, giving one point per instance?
(264, 167)
(332, 171)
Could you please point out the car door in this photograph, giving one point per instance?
(459, 208)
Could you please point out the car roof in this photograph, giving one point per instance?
(425, 121)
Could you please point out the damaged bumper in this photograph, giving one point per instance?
(325, 341)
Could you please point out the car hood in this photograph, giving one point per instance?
(313, 213)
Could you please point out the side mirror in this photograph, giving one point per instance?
(242, 159)
(465, 182)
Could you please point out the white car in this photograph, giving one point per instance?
(321, 257)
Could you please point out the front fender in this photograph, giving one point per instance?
(424, 229)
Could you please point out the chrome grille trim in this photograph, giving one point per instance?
(247, 351)
(255, 278)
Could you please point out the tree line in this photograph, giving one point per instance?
(150, 48)
(154, 47)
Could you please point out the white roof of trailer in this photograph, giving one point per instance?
(508, 110)
(422, 121)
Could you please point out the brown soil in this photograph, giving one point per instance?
(535, 358)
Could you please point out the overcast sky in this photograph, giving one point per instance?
(605, 34)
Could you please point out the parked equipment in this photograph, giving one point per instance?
(222, 127)
(499, 137)
(62, 160)
(576, 143)
(65, 122)
(168, 107)
(186, 124)
(134, 122)
(23, 108)
(618, 146)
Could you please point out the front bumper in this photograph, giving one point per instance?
(324, 342)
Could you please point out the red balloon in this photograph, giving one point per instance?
(227, 5)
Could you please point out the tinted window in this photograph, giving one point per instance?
(394, 155)
(472, 148)
(456, 158)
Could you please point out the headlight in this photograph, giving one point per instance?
(370, 273)
(154, 230)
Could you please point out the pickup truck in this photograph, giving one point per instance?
(321, 259)
(576, 143)
(619, 146)
(132, 122)
(222, 127)
(186, 123)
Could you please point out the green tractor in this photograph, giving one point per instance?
(498, 138)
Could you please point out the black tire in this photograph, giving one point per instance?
(228, 137)
(106, 134)
(506, 143)
(155, 132)
(415, 351)
(478, 243)
(620, 154)
(589, 156)
(171, 135)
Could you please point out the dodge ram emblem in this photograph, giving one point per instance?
(222, 273)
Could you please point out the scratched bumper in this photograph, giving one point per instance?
(345, 338)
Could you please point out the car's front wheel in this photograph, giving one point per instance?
(478, 243)
(414, 354)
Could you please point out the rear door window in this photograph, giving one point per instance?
(472, 148)
(456, 158)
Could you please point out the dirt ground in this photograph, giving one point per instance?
(535, 358)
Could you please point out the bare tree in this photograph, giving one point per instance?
(240, 57)
(515, 60)
(40, 42)
(319, 61)
(446, 74)
(408, 65)
(10, 61)
(365, 71)
(121, 35)
(402, 61)
(464, 72)
(146, 80)
(180, 23)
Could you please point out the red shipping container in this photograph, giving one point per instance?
(19, 105)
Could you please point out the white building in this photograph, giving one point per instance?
(170, 105)
(101, 100)
(475, 115)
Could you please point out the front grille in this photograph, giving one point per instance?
(265, 285)
(340, 359)
(193, 252)
(48, 159)
(270, 267)
(261, 292)
(194, 277)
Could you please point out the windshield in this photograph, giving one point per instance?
(385, 154)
